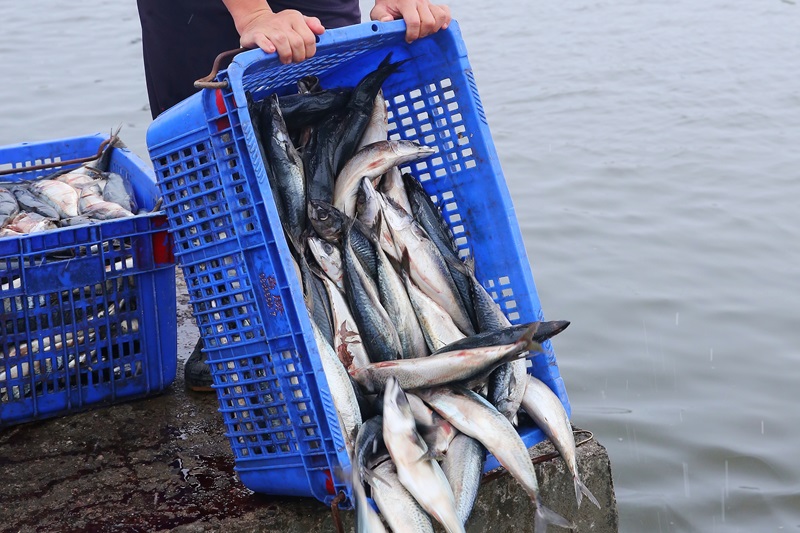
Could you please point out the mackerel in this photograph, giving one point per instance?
(463, 468)
(544, 407)
(473, 415)
(398, 507)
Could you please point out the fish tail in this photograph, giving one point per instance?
(527, 338)
(582, 490)
(545, 516)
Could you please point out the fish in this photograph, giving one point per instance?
(329, 258)
(368, 440)
(435, 430)
(368, 207)
(24, 223)
(463, 468)
(474, 416)
(367, 519)
(395, 299)
(436, 324)
(286, 175)
(398, 507)
(327, 221)
(371, 162)
(9, 206)
(542, 332)
(392, 186)
(378, 125)
(317, 157)
(119, 190)
(418, 473)
(316, 298)
(63, 197)
(377, 332)
(346, 337)
(359, 110)
(544, 408)
(426, 266)
(33, 204)
(447, 367)
(342, 394)
(308, 108)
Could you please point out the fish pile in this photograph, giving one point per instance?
(83, 195)
(424, 369)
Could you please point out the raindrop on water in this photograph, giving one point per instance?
(676, 319)
(762, 427)
(711, 354)
(686, 491)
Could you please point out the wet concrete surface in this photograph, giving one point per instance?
(164, 464)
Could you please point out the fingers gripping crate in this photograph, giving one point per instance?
(78, 320)
(246, 297)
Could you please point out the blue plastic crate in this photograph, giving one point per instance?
(87, 313)
(246, 298)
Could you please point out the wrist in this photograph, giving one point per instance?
(244, 12)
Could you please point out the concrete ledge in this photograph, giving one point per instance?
(164, 463)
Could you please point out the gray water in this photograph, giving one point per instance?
(653, 153)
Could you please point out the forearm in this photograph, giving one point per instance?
(245, 11)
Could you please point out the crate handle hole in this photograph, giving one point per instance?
(374, 27)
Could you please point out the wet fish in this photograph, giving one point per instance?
(317, 160)
(392, 186)
(316, 298)
(398, 507)
(63, 197)
(436, 324)
(543, 331)
(368, 207)
(376, 329)
(286, 173)
(435, 430)
(463, 468)
(327, 221)
(473, 415)
(359, 111)
(371, 162)
(544, 407)
(420, 475)
(329, 258)
(342, 394)
(8, 206)
(346, 337)
(24, 223)
(367, 519)
(395, 300)
(368, 440)
(442, 368)
(427, 267)
(308, 108)
(119, 190)
(378, 125)
(31, 202)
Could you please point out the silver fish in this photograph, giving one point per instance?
(329, 258)
(372, 161)
(120, 191)
(33, 204)
(420, 475)
(398, 507)
(346, 338)
(9, 206)
(472, 415)
(427, 267)
(61, 196)
(463, 468)
(342, 394)
(392, 186)
(25, 223)
(441, 368)
(437, 432)
(395, 300)
(367, 520)
(378, 126)
(544, 407)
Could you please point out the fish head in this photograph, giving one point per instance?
(367, 203)
(406, 151)
(397, 415)
(326, 220)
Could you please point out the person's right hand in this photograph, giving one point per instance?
(289, 33)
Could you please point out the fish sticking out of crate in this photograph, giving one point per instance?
(394, 305)
(76, 196)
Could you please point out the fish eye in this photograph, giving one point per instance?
(323, 215)
(328, 247)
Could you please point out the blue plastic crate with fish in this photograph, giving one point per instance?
(246, 298)
(87, 313)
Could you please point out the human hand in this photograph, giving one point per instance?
(289, 33)
(422, 18)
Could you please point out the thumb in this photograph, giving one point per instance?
(381, 13)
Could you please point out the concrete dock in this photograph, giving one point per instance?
(164, 464)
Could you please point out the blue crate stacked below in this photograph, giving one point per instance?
(246, 298)
(87, 313)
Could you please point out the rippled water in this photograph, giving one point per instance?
(652, 152)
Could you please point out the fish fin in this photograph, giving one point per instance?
(515, 420)
(545, 516)
(527, 338)
(582, 490)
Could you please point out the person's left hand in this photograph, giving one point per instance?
(422, 17)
